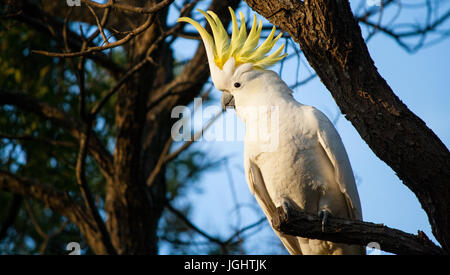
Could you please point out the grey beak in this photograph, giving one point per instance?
(227, 100)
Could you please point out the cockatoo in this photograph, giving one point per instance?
(303, 165)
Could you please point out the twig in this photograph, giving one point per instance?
(165, 157)
(233, 191)
(90, 50)
(150, 10)
(45, 236)
(246, 228)
(87, 195)
(73, 126)
(10, 218)
(37, 227)
(142, 63)
(38, 139)
(192, 226)
(303, 82)
(144, 10)
(96, 109)
(99, 24)
(196, 137)
(398, 36)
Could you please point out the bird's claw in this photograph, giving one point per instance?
(286, 207)
(323, 215)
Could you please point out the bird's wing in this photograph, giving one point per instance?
(259, 190)
(332, 144)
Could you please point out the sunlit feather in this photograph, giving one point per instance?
(244, 48)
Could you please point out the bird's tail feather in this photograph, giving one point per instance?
(291, 243)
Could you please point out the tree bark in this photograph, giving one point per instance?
(353, 232)
(142, 121)
(58, 201)
(133, 209)
(13, 212)
(331, 40)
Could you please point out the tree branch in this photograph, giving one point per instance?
(38, 139)
(331, 40)
(87, 194)
(192, 226)
(353, 232)
(13, 212)
(51, 197)
(92, 49)
(143, 10)
(58, 201)
(31, 104)
(37, 19)
(165, 157)
(100, 24)
(38, 228)
(140, 64)
(417, 31)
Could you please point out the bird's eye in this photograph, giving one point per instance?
(237, 84)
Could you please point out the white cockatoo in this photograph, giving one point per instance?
(293, 155)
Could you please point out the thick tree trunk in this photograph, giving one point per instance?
(331, 40)
(134, 208)
(133, 212)
(143, 105)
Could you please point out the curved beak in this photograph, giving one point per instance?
(227, 100)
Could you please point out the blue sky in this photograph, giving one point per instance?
(420, 80)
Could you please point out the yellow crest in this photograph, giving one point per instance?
(241, 46)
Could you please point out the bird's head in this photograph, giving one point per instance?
(235, 61)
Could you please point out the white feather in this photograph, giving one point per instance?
(309, 166)
(302, 160)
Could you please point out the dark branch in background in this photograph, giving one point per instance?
(353, 232)
(73, 126)
(85, 133)
(245, 228)
(166, 157)
(12, 215)
(222, 244)
(192, 226)
(144, 10)
(421, 31)
(92, 49)
(100, 24)
(87, 194)
(37, 19)
(130, 35)
(58, 200)
(233, 192)
(76, 129)
(96, 109)
(45, 236)
(39, 140)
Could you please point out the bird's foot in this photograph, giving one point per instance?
(288, 207)
(324, 214)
